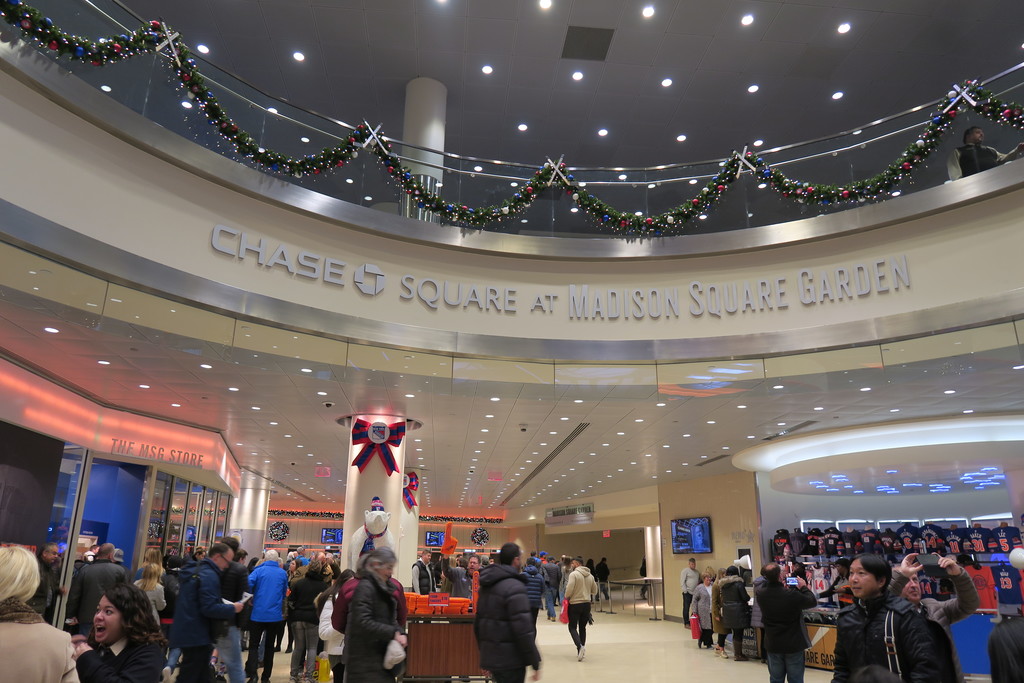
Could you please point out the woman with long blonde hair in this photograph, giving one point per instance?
(151, 586)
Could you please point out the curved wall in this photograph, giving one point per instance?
(106, 206)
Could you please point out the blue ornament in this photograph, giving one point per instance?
(407, 175)
(604, 217)
(47, 22)
(79, 51)
(571, 177)
(14, 3)
(936, 119)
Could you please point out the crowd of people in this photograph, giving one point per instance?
(886, 630)
(191, 618)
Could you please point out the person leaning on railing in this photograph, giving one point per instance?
(974, 157)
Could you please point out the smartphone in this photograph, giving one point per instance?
(792, 581)
(930, 562)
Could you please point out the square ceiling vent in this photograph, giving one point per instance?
(582, 42)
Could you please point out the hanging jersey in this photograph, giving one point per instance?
(1008, 582)
(929, 586)
(956, 541)
(931, 534)
(908, 535)
(779, 542)
(870, 541)
(979, 540)
(890, 541)
(1006, 538)
(985, 585)
(813, 546)
(798, 542)
(831, 542)
(851, 543)
(819, 581)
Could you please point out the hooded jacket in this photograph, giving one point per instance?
(199, 603)
(504, 626)
(860, 639)
(534, 586)
(581, 586)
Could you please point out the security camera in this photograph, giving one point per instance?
(328, 404)
(522, 428)
(293, 464)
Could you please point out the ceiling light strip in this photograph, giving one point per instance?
(547, 461)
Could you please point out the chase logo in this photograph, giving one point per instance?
(369, 279)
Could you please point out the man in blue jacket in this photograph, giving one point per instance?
(199, 603)
(269, 585)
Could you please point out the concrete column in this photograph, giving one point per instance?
(652, 551)
(426, 108)
(1015, 487)
(249, 518)
(374, 482)
(408, 550)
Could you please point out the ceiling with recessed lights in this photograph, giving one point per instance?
(670, 81)
(497, 444)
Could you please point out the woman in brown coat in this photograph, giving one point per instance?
(716, 615)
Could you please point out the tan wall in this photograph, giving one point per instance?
(624, 549)
(730, 500)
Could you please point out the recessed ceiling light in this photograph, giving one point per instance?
(865, 388)
(271, 110)
(143, 386)
(303, 139)
(545, 4)
(622, 176)
(258, 408)
(298, 56)
(819, 408)
(843, 27)
(741, 407)
(680, 138)
(660, 405)
(711, 422)
(186, 104)
(747, 19)
(321, 393)
(968, 412)
(232, 388)
(949, 391)
(103, 362)
(410, 395)
(478, 168)
(367, 198)
(648, 11)
(495, 398)
(205, 366)
(781, 424)
(175, 405)
(203, 49)
(105, 88)
(753, 88)
(665, 82)
(751, 436)
(779, 386)
(577, 75)
(522, 126)
(837, 95)
(602, 132)
(487, 69)
(758, 143)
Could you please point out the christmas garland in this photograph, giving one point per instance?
(278, 531)
(156, 36)
(339, 516)
(480, 536)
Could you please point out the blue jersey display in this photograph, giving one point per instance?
(956, 541)
(1008, 585)
(932, 536)
(870, 541)
(908, 535)
(1006, 538)
(979, 540)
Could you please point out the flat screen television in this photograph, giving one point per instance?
(435, 539)
(691, 535)
(331, 536)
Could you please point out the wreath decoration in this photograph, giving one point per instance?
(480, 536)
(278, 531)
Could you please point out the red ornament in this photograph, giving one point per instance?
(952, 113)
(649, 221)
(623, 223)
(341, 162)
(846, 194)
(26, 24)
(720, 188)
(316, 171)
(529, 190)
(117, 47)
(155, 24)
(53, 45)
(186, 77)
(696, 202)
(907, 166)
(810, 190)
(1007, 112)
(96, 62)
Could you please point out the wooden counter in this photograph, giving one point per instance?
(441, 647)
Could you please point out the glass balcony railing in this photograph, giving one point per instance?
(645, 202)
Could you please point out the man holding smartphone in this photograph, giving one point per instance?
(782, 610)
(938, 614)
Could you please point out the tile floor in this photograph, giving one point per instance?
(623, 647)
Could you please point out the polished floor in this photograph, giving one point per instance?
(623, 647)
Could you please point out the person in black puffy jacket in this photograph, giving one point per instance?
(860, 638)
(306, 619)
(535, 586)
(504, 628)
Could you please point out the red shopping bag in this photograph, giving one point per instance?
(695, 626)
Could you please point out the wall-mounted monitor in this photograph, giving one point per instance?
(691, 535)
(435, 539)
(331, 536)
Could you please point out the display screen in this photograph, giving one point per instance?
(691, 535)
(330, 536)
(434, 538)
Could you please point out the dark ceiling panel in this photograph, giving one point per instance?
(582, 42)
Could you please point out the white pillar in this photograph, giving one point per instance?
(1015, 487)
(373, 482)
(409, 523)
(652, 551)
(426, 108)
(249, 518)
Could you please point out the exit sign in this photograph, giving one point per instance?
(321, 471)
(607, 533)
